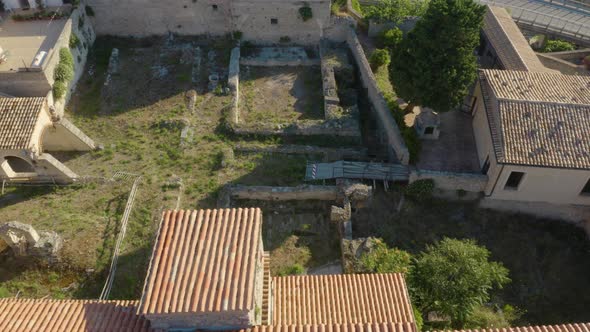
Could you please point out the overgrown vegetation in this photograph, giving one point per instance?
(63, 73)
(382, 259)
(556, 45)
(89, 11)
(391, 38)
(305, 12)
(421, 189)
(74, 40)
(378, 58)
(395, 10)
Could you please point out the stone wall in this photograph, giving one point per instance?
(451, 181)
(397, 150)
(258, 20)
(303, 192)
(579, 215)
(558, 61)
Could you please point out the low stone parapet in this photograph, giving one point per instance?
(470, 182)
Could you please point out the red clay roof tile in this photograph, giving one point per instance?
(341, 299)
(44, 315)
(203, 261)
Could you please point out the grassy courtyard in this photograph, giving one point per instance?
(138, 119)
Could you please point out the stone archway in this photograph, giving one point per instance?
(18, 165)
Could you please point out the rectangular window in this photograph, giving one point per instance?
(274, 21)
(486, 166)
(586, 189)
(214, 7)
(514, 180)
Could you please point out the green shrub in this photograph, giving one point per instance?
(557, 45)
(382, 259)
(485, 317)
(59, 89)
(74, 40)
(63, 72)
(295, 269)
(390, 38)
(419, 319)
(89, 11)
(380, 57)
(305, 13)
(65, 56)
(420, 189)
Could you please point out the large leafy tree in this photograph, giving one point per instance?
(383, 259)
(435, 64)
(454, 277)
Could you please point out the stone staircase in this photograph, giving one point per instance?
(266, 290)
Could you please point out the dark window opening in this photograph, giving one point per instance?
(19, 165)
(514, 180)
(214, 7)
(274, 21)
(429, 131)
(586, 189)
(486, 166)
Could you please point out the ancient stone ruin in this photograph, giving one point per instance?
(25, 241)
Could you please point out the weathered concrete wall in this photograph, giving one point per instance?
(212, 17)
(451, 181)
(65, 136)
(397, 147)
(24, 84)
(579, 215)
(253, 18)
(337, 30)
(143, 18)
(558, 62)
(267, 193)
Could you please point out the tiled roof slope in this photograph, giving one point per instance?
(341, 299)
(510, 45)
(539, 119)
(541, 87)
(581, 327)
(18, 117)
(203, 261)
(381, 327)
(27, 315)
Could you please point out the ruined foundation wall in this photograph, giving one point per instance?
(397, 147)
(451, 181)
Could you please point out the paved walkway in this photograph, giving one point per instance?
(546, 16)
(454, 150)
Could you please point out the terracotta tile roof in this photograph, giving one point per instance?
(341, 299)
(541, 87)
(512, 48)
(27, 315)
(375, 327)
(203, 261)
(18, 117)
(581, 327)
(539, 119)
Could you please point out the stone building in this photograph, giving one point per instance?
(262, 21)
(29, 129)
(530, 123)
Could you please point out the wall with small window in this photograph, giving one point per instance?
(542, 184)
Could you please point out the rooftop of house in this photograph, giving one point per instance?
(18, 120)
(539, 119)
(22, 41)
(203, 261)
(581, 327)
(26, 315)
(341, 299)
(512, 48)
